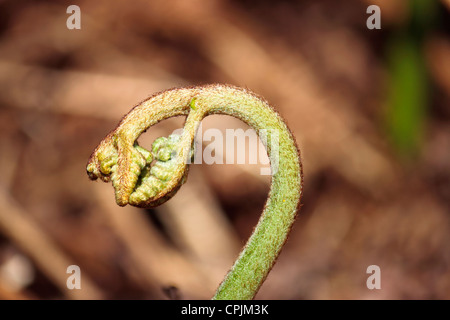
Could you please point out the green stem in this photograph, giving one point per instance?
(126, 163)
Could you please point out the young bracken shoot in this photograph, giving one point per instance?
(149, 178)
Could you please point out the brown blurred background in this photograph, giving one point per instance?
(370, 110)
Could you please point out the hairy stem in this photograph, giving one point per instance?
(117, 158)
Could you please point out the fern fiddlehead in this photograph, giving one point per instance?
(149, 178)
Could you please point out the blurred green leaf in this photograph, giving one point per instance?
(408, 95)
(408, 84)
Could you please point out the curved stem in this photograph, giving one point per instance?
(264, 245)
